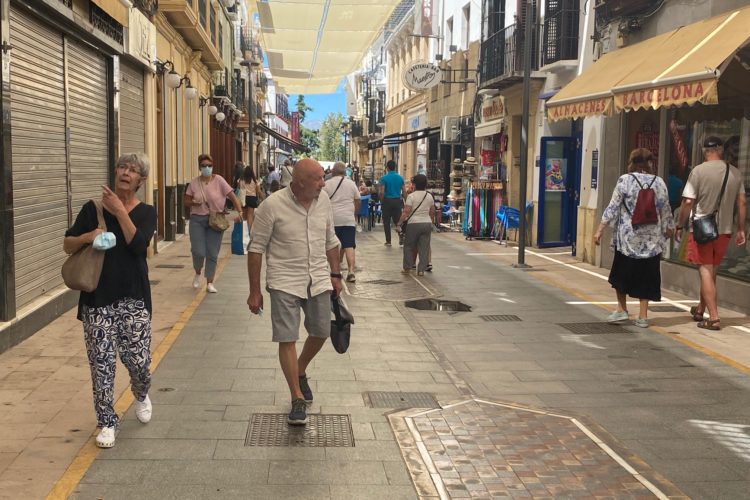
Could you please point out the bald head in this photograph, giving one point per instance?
(307, 179)
(306, 168)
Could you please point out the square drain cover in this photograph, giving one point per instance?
(271, 429)
(380, 399)
(665, 309)
(171, 266)
(593, 328)
(500, 317)
(382, 282)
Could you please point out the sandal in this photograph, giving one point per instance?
(710, 324)
(697, 316)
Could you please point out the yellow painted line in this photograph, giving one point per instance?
(88, 453)
(662, 331)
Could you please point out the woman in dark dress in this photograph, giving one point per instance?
(117, 315)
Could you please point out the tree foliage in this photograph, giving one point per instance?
(302, 107)
(331, 138)
(307, 136)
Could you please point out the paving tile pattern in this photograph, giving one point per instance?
(484, 451)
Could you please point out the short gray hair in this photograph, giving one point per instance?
(139, 160)
(339, 168)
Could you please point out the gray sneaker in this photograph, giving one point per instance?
(305, 388)
(617, 317)
(641, 323)
(298, 415)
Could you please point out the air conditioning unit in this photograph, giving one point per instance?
(449, 129)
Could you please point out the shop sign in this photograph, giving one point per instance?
(420, 76)
(493, 109)
(579, 109)
(703, 91)
(416, 122)
(141, 42)
(488, 157)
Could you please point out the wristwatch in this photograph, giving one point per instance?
(337, 275)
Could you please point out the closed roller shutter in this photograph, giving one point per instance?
(87, 120)
(132, 126)
(38, 154)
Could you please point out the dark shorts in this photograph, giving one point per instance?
(347, 236)
(638, 278)
(251, 201)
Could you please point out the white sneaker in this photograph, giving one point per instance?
(210, 288)
(197, 281)
(641, 323)
(143, 410)
(106, 437)
(617, 316)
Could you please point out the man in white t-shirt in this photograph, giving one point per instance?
(285, 173)
(703, 196)
(345, 201)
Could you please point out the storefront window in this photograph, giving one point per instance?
(684, 153)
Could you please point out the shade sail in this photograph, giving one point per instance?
(291, 142)
(680, 67)
(314, 44)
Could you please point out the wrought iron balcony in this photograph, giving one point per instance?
(560, 33)
(502, 57)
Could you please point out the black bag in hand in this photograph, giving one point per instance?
(341, 326)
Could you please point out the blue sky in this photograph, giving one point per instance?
(322, 105)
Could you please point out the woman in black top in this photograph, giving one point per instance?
(117, 315)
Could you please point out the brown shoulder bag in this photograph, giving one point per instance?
(82, 270)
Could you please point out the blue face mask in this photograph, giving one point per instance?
(206, 171)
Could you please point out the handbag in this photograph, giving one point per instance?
(82, 270)
(237, 235)
(706, 228)
(216, 220)
(402, 234)
(341, 325)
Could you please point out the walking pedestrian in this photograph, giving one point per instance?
(253, 195)
(294, 228)
(392, 197)
(116, 316)
(714, 188)
(273, 175)
(345, 202)
(286, 174)
(638, 245)
(205, 194)
(418, 214)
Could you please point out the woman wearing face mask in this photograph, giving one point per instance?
(205, 194)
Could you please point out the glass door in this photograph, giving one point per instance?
(558, 192)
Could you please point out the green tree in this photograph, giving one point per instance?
(302, 107)
(331, 138)
(309, 138)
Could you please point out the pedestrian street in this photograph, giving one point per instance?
(526, 395)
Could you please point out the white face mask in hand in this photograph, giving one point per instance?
(104, 241)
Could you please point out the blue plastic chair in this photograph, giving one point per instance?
(449, 214)
(508, 218)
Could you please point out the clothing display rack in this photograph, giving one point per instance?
(483, 198)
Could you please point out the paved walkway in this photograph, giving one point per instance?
(541, 404)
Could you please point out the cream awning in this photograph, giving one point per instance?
(313, 44)
(672, 69)
(485, 129)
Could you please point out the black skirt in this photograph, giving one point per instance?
(251, 201)
(638, 278)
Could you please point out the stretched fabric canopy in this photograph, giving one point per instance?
(291, 142)
(313, 44)
(672, 69)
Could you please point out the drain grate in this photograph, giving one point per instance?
(593, 328)
(271, 429)
(665, 309)
(438, 305)
(171, 266)
(382, 282)
(500, 317)
(380, 399)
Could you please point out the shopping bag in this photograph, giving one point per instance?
(237, 246)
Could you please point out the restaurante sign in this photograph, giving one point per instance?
(421, 76)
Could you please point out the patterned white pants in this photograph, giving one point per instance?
(122, 327)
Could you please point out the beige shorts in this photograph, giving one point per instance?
(285, 315)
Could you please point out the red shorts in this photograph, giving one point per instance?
(709, 253)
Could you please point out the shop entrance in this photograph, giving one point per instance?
(560, 165)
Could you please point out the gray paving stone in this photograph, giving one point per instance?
(126, 492)
(372, 492)
(206, 472)
(329, 472)
(383, 451)
(115, 472)
(160, 449)
(208, 430)
(267, 492)
(228, 398)
(164, 412)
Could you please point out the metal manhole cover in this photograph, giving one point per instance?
(438, 305)
(500, 317)
(665, 309)
(171, 266)
(593, 328)
(271, 429)
(382, 282)
(385, 399)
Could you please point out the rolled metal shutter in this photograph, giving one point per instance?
(132, 115)
(87, 120)
(40, 187)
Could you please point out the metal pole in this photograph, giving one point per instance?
(527, 52)
(251, 122)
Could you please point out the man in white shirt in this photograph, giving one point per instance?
(294, 229)
(285, 173)
(345, 201)
(273, 175)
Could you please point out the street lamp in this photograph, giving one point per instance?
(345, 131)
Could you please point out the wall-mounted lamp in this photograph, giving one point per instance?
(172, 79)
(438, 57)
(202, 101)
(219, 116)
(190, 92)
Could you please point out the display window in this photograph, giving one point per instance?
(685, 131)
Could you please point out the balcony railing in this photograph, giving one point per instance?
(201, 12)
(502, 56)
(560, 34)
(147, 7)
(238, 93)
